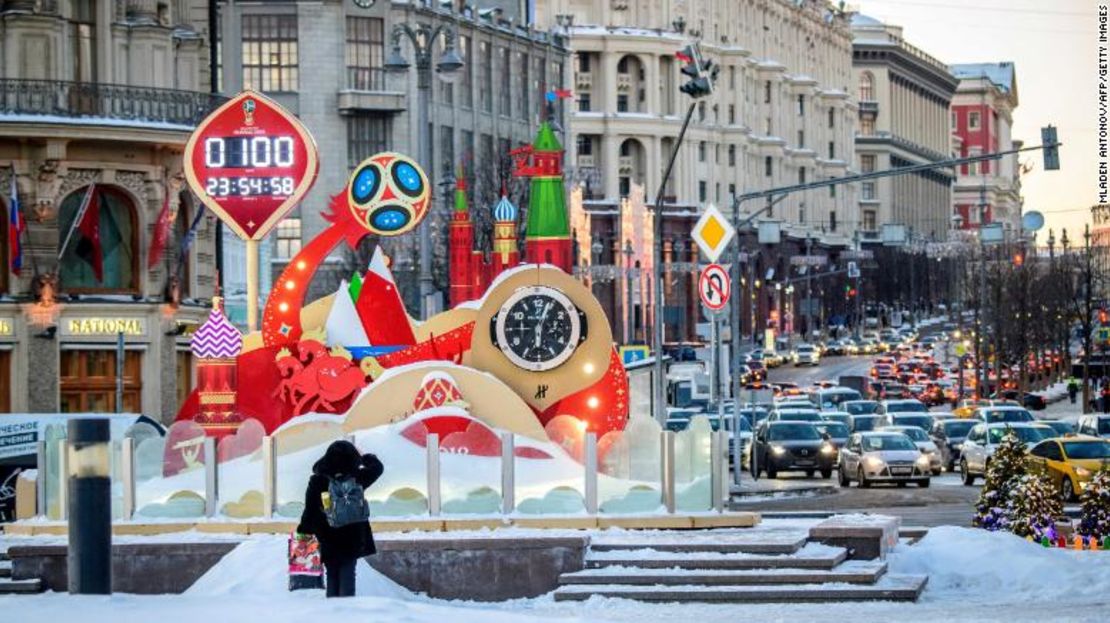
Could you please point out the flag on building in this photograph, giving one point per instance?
(88, 231)
(16, 225)
(161, 233)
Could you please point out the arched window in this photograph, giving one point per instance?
(866, 87)
(118, 244)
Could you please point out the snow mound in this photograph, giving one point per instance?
(260, 567)
(974, 561)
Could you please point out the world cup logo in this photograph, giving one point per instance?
(388, 194)
(248, 111)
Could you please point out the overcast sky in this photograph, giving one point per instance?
(1053, 46)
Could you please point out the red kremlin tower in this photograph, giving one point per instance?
(463, 277)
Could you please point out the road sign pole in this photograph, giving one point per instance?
(714, 357)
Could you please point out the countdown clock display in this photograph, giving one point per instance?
(251, 162)
(538, 328)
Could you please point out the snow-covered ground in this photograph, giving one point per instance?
(974, 576)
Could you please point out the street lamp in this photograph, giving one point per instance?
(422, 37)
(595, 250)
(628, 253)
(679, 258)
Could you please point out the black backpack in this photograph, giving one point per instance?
(348, 502)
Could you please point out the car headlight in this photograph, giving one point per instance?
(1082, 472)
(828, 449)
(873, 462)
(923, 461)
(778, 450)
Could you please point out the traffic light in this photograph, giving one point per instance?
(702, 72)
(1051, 148)
(1103, 317)
(1019, 259)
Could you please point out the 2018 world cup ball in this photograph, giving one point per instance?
(388, 194)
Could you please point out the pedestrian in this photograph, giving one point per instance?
(1106, 398)
(336, 512)
(1073, 389)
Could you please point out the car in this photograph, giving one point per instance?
(860, 407)
(924, 421)
(1004, 414)
(893, 390)
(679, 419)
(1094, 425)
(908, 405)
(982, 441)
(967, 408)
(806, 355)
(799, 401)
(837, 416)
(835, 433)
(878, 456)
(1070, 462)
(1029, 400)
(831, 398)
(795, 415)
(836, 348)
(864, 423)
(949, 436)
(1062, 427)
(921, 439)
(791, 446)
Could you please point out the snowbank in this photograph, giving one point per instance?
(967, 561)
(259, 567)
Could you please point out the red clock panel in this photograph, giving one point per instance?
(251, 162)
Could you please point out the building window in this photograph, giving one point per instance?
(485, 76)
(366, 136)
(584, 102)
(801, 139)
(732, 114)
(869, 220)
(832, 191)
(288, 238)
(83, 41)
(955, 121)
(866, 126)
(732, 77)
(447, 149)
(622, 102)
(505, 102)
(365, 53)
(5, 249)
(701, 111)
(832, 117)
(732, 155)
(973, 120)
(802, 175)
(525, 104)
(832, 218)
(701, 151)
(466, 88)
(767, 92)
(270, 61)
(583, 63)
(625, 185)
(867, 191)
(586, 145)
(832, 150)
(732, 190)
(802, 213)
(118, 243)
(801, 105)
(866, 87)
(867, 163)
(703, 191)
(768, 166)
(88, 381)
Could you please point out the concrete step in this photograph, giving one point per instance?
(812, 556)
(5, 568)
(775, 543)
(850, 572)
(888, 588)
(16, 587)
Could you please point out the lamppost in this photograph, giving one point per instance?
(679, 258)
(423, 36)
(628, 253)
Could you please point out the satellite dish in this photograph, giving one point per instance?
(1032, 221)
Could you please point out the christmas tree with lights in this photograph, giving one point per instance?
(1095, 506)
(1034, 506)
(1006, 467)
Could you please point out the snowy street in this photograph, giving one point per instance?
(973, 576)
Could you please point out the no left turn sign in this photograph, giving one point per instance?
(714, 287)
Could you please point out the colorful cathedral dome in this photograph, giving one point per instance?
(217, 338)
(504, 211)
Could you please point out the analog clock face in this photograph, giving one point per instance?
(365, 4)
(538, 328)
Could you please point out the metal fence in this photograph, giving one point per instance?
(105, 101)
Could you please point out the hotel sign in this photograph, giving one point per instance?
(104, 326)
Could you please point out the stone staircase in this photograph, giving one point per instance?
(8, 586)
(708, 567)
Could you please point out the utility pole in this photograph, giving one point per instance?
(809, 289)
(1086, 322)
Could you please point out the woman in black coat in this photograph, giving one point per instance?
(340, 548)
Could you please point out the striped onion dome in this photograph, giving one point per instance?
(217, 338)
(504, 211)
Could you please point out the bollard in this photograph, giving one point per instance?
(508, 474)
(89, 495)
(433, 474)
(590, 458)
(666, 452)
(211, 479)
(62, 479)
(269, 477)
(127, 460)
(41, 479)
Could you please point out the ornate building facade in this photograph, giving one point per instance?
(102, 95)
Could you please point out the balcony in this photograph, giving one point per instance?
(869, 107)
(366, 92)
(112, 103)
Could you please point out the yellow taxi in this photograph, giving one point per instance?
(969, 406)
(1070, 462)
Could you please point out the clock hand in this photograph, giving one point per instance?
(539, 327)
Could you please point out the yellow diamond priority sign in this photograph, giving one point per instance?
(712, 232)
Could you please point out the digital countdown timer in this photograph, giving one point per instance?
(251, 162)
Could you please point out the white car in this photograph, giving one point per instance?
(983, 440)
(1094, 425)
(923, 442)
(806, 355)
(882, 456)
